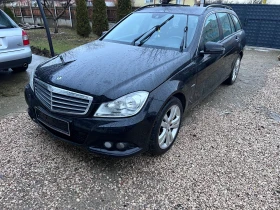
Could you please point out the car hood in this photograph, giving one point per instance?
(109, 70)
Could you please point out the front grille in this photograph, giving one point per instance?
(60, 100)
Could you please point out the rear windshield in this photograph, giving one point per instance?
(4, 21)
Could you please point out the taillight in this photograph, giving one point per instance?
(25, 38)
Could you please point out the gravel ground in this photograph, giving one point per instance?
(226, 157)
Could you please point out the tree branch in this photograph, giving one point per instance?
(64, 9)
(46, 5)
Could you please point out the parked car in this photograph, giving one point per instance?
(126, 92)
(15, 52)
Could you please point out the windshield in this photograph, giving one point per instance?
(170, 35)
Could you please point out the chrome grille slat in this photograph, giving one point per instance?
(45, 91)
(68, 99)
(46, 103)
(69, 103)
(46, 96)
(61, 100)
(69, 108)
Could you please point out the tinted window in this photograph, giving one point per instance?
(231, 23)
(236, 22)
(211, 30)
(226, 27)
(4, 21)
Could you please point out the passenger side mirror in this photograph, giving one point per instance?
(213, 48)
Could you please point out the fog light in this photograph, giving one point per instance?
(108, 145)
(120, 145)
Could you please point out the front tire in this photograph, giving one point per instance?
(166, 127)
(234, 72)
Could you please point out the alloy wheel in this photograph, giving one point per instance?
(169, 127)
(236, 69)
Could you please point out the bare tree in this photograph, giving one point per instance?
(49, 4)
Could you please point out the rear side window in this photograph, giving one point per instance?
(236, 22)
(4, 21)
(211, 30)
(231, 24)
(226, 26)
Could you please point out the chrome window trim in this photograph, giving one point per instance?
(210, 13)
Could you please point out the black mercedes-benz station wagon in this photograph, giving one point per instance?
(126, 92)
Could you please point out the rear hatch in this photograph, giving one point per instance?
(10, 35)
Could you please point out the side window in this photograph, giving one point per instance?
(231, 24)
(236, 22)
(226, 27)
(211, 30)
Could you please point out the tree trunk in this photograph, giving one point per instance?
(55, 26)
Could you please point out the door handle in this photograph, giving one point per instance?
(237, 38)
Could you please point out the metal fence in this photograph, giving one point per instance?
(70, 13)
(261, 22)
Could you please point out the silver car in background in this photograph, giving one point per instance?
(15, 52)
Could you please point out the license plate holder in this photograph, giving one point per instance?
(52, 122)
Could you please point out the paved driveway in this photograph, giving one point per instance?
(12, 87)
(227, 156)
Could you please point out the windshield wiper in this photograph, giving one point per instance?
(133, 42)
(184, 39)
(154, 29)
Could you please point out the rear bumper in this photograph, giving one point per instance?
(15, 58)
(15, 63)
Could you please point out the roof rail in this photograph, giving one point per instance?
(219, 5)
(160, 5)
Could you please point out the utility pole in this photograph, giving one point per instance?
(46, 27)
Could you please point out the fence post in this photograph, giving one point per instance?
(14, 11)
(55, 11)
(32, 14)
(70, 16)
(22, 18)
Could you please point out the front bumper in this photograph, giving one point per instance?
(92, 133)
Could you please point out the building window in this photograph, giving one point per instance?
(149, 1)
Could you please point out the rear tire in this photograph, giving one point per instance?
(234, 73)
(166, 127)
(20, 69)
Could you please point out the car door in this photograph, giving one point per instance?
(229, 41)
(208, 64)
(239, 33)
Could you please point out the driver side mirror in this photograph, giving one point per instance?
(213, 48)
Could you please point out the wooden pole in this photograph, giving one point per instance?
(32, 14)
(70, 16)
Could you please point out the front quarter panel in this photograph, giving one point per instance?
(181, 83)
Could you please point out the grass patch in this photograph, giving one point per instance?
(65, 40)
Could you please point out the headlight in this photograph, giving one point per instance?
(124, 106)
